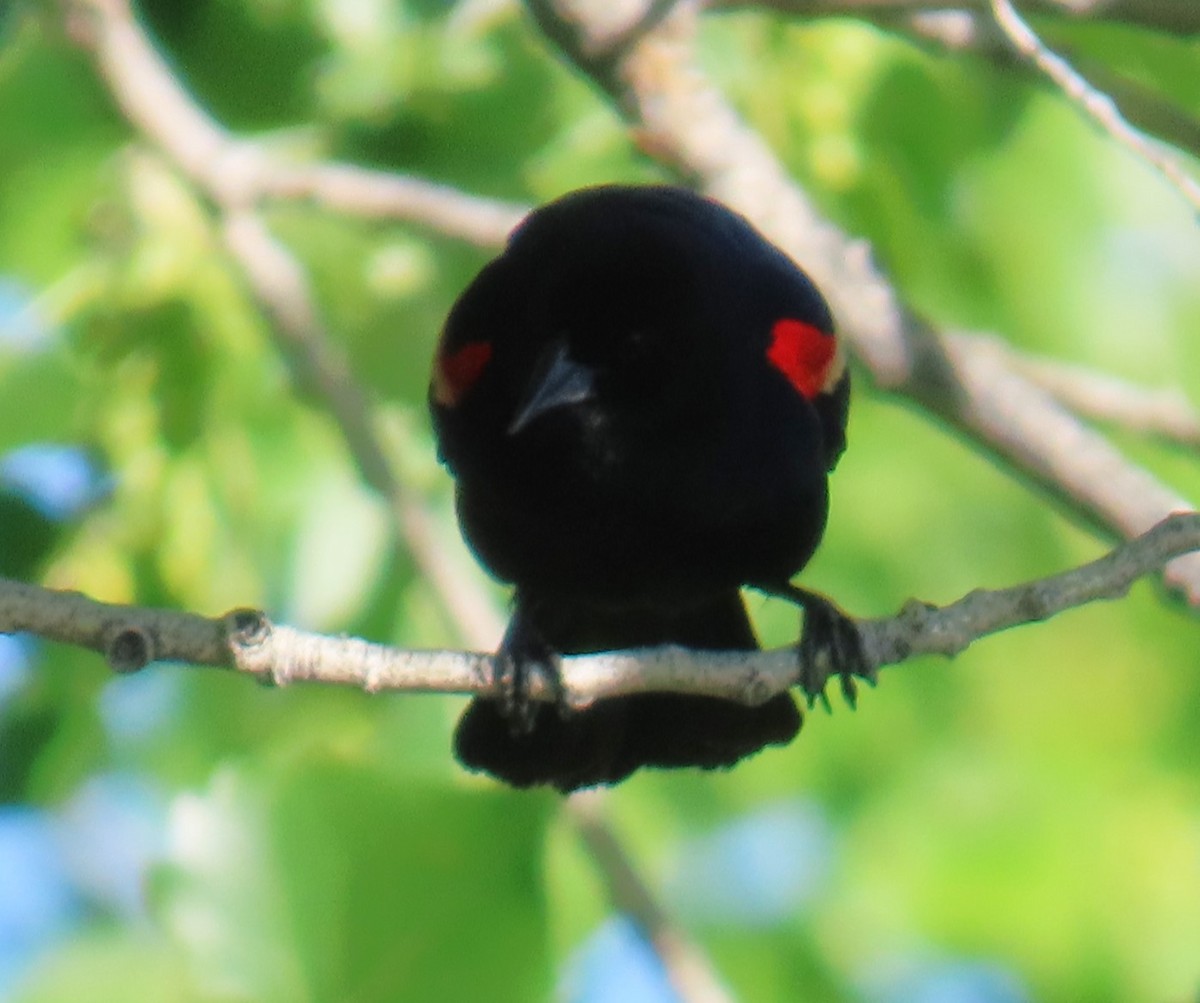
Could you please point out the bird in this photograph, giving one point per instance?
(640, 400)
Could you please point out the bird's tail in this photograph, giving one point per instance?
(611, 739)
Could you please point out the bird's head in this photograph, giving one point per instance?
(648, 308)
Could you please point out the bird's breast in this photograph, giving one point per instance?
(598, 520)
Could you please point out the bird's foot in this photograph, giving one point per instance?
(523, 654)
(830, 645)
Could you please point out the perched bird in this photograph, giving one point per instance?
(639, 400)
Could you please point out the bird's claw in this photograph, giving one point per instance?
(523, 654)
(830, 645)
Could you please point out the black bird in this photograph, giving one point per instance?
(640, 400)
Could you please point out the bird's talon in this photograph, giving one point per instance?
(523, 652)
(849, 690)
(830, 645)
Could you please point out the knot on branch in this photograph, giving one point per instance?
(247, 632)
(1034, 605)
(247, 627)
(129, 649)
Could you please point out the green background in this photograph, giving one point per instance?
(1033, 806)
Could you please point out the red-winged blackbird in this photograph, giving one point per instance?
(640, 400)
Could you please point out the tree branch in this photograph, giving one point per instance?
(358, 191)
(688, 968)
(976, 33)
(1096, 105)
(238, 173)
(131, 637)
(1177, 17)
(1164, 413)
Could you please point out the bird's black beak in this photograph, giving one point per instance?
(560, 381)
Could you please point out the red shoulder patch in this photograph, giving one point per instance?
(803, 353)
(455, 373)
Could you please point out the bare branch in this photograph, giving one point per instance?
(1180, 17)
(976, 33)
(1163, 413)
(923, 629)
(1097, 105)
(73, 618)
(688, 968)
(131, 637)
(238, 173)
(357, 191)
(981, 392)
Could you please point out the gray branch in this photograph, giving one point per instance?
(131, 637)
(239, 173)
(1177, 17)
(1097, 105)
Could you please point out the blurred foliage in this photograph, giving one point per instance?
(1034, 807)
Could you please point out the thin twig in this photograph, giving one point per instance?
(1097, 105)
(1009, 413)
(1179, 17)
(1164, 413)
(688, 968)
(239, 173)
(358, 191)
(978, 34)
